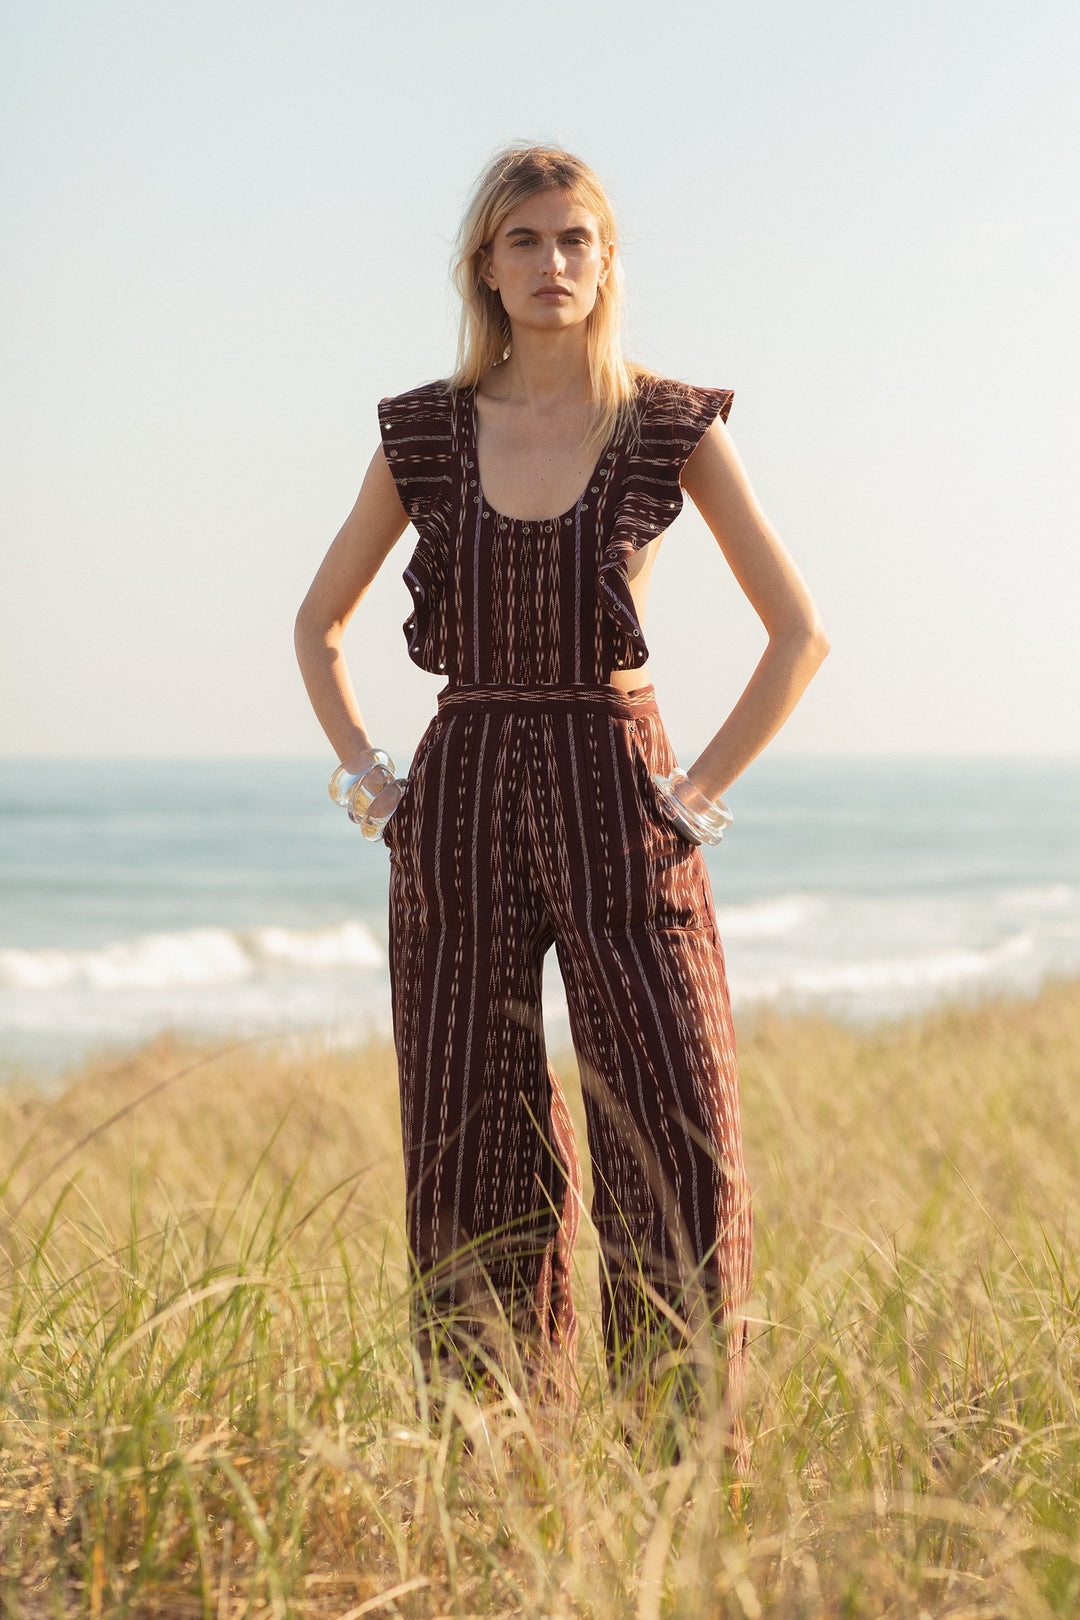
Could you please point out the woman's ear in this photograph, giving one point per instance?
(487, 273)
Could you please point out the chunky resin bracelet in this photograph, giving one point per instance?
(356, 791)
(696, 816)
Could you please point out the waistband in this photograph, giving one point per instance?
(609, 700)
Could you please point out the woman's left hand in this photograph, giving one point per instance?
(382, 807)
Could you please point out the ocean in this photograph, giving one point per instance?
(232, 898)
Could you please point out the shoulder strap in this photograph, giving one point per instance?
(416, 437)
(674, 417)
(677, 415)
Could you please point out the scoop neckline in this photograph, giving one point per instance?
(504, 517)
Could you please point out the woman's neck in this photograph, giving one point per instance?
(544, 370)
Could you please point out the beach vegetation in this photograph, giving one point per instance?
(211, 1405)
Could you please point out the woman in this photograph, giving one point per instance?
(544, 805)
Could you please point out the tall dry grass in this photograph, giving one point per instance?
(210, 1405)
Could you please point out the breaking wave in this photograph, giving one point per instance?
(197, 956)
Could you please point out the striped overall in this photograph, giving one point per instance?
(530, 820)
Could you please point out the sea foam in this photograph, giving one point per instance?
(920, 973)
(767, 919)
(196, 956)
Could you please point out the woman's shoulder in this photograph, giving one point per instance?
(668, 401)
(418, 435)
(431, 399)
(418, 438)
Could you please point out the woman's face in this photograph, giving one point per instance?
(547, 261)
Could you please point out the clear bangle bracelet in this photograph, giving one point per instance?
(356, 791)
(696, 816)
(343, 782)
(367, 789)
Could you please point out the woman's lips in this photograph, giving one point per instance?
(552, 293)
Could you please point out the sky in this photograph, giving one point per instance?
(227, 234)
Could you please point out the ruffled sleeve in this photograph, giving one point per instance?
(674, 416)
(417, 435)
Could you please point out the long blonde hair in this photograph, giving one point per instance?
(514, 175)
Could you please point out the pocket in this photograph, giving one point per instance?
(423, 750)
(389, 832)
(653, 754)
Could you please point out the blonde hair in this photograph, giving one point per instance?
(514, 175)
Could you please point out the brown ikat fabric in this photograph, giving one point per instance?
(529, 820)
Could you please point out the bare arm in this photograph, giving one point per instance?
(717, 484)
(376, 521)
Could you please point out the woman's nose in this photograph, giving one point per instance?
(554, 261)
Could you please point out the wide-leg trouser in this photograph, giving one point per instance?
(530, 818)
